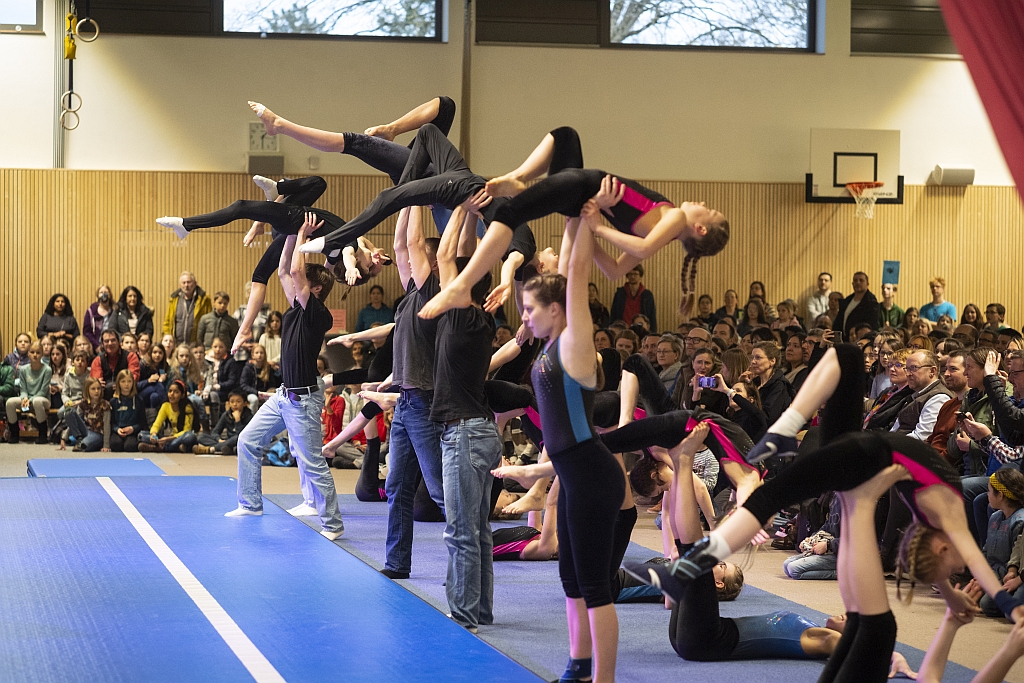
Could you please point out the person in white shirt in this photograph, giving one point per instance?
(817, 304)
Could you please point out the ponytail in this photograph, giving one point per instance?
(688, 281)
(712, 242)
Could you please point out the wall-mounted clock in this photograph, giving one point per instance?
(259, 141)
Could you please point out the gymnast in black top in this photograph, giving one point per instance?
(644, 220)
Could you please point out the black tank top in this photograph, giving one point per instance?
(566, 407)
(510, 541)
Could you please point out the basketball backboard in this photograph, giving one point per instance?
(840, 156)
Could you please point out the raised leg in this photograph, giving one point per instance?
(322, 140)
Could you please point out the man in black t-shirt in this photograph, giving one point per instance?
(470, 444)
(298, 403)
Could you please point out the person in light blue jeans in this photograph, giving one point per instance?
(470, 449)
(811, 567)
(298, 403)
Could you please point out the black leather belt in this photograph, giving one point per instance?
(301, 391)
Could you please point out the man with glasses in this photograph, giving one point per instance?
(917, 419)
(1007, 406)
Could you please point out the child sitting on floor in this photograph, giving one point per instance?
(1006, 497)
(224, 439)
(89, 422)
(179, 414)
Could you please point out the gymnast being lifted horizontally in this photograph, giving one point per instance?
(644, 220)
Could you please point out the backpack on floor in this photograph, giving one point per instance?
(278, 454)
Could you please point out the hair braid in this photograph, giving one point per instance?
(688, 282)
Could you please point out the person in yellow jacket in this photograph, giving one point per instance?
(187, 305)
(178, 414)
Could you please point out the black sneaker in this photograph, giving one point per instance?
(772, 445)
(392, 574)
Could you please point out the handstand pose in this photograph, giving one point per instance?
(937, 544)
(555, 307)
(644, 220)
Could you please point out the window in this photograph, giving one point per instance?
(712, 23)
(21, 16)
(706, 24)
(395, 18)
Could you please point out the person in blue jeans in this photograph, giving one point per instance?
(818, 559)
(297, 404)
(415, 441)
(470, 444)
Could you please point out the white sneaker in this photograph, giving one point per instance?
(332, 535)
(242, 512)
(174, 223)
(268, 186)
(302, 510)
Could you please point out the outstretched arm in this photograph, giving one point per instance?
(257, 295)
(547, 543)
(614, 268)
(499, 295)
(419, 263)
(577, 339)
(284, 269)
(506, 353)
(447, 250)
(370, 334)
(401, 245)
(298, 274)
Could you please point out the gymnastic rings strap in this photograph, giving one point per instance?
(68, 99)
(66, 119)
(85, 22)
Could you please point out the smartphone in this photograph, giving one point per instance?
(707, 382)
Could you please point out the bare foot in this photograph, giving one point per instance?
(385, 401)
(448, 298)
(518, 473)
(255, 231)
(385, 132)
(525, 503)
(269, 118)
(505, 186)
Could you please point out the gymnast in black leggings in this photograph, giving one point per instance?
(938, 544)
(593, 486)
(435, 174)
(375, 147)
(644, 220)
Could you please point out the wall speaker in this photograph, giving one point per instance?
(268, 165)
(942, 175)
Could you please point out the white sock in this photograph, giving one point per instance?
(331, 535)
(268, 185)
(717, 546)
(259, 108)
(789, 423)
(174, 223)
(242, 512)
(314, 246)
(303, 510)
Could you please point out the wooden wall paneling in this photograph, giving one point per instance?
(73, 230)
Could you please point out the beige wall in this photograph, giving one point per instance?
(70, 231)
(168, 103)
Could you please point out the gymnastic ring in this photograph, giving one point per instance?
(78, 29)
(69, 94)
(63, 122)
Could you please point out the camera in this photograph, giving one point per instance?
(707, 382)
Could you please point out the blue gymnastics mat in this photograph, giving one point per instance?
(529, 617)
(85, 598)
(93, 467)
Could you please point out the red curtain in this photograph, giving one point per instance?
(990, 36)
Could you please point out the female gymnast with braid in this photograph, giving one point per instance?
(644, 220)
(593, 484)
(935, 546)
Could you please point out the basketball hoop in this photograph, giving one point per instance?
(864, 194)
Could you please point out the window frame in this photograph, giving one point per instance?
(812, 37)
(440, 36)
(31, 30)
